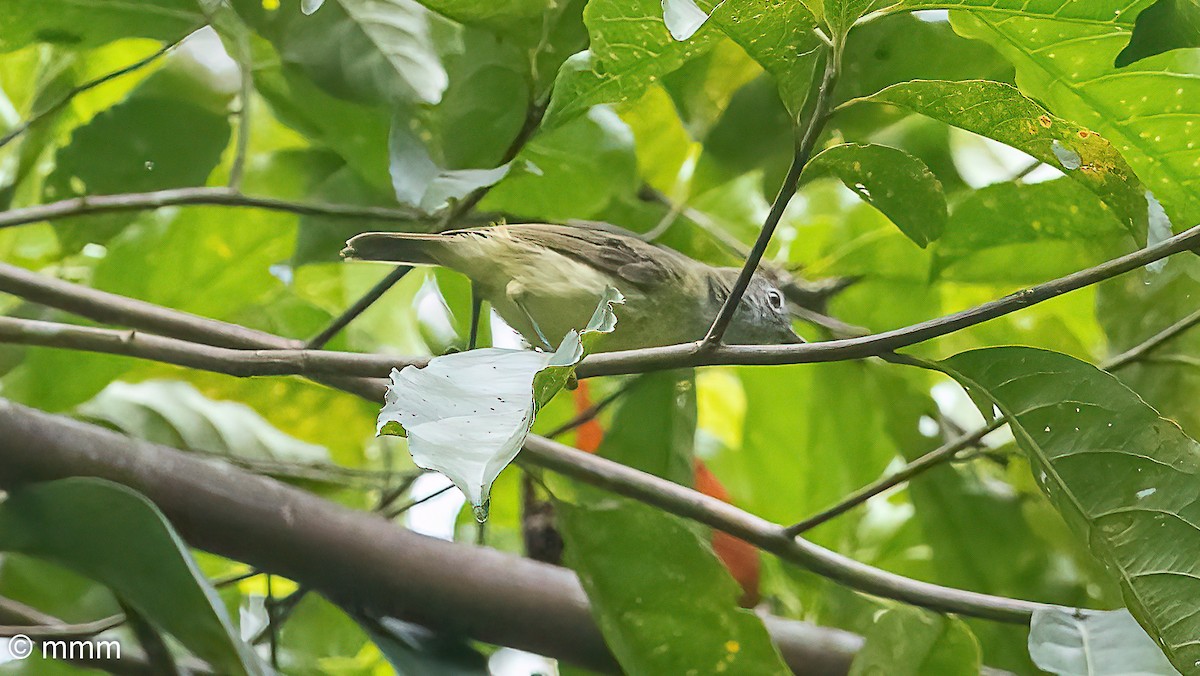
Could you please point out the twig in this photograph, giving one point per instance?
(590, 413)
(925, 462)
(804, 150)
(63, 630)
(1154, 342)
(90, 84)
(392, 514)
(358, 307)
(201, 196)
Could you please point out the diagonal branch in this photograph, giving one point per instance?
(804, 150)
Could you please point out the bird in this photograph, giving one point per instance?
(546, 279)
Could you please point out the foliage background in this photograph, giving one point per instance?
(412, 107)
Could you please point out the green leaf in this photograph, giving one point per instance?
(467, 414)
(1161, 27)
(116, 536)
(1101, 643)
(413, 649)
(1000, 112)
(1123, 477)
(780, 37)
(663, 601)
(88, 23)
(1024, 234)
(368, 51)
(421, 183)
(1149, 111)
(912, 642)
(630, 49)
(520, 18)
(176, 414)
(755, 132)
(891, 180)
(553, 180)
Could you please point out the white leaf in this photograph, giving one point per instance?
(419, 182)
(1102, 643)
(683, 18)
(252, 616)
(1158, 229)
(467, 414)
(310, 6)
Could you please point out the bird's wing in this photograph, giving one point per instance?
(607, 248)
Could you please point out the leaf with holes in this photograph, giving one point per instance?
(1149, 111)
(1001, 112)
(891, 180)
(1123, 477)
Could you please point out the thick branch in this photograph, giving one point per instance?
(355, 558)
(214, 196)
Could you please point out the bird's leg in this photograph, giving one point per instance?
(532, 322)
(476, 307)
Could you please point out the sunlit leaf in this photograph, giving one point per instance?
(780, 37)
(88, 23)
(630, 49)
(1101, 643)
(116, 536)
(891, 180)
(999, 111)
(1149, 111)
(1122, 476)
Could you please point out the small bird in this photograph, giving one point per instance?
(545, 280)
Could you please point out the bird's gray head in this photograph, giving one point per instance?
(762, 318)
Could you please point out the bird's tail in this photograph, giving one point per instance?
(411, 248)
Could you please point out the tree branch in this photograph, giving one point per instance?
(804, 151)
(357, 559)
(692, 354)
(1152, 343)
(201, 196)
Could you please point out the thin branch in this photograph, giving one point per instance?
(64, 630)
(589, 414)
(533, 118)
(790, 183)
(401, 509)
(769, 537)
(1152, 343)
(918, 466)
(201, 196)
(58, 105)
(692, 354)
(233, 362)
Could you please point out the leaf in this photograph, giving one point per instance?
(910, 642)
(1121, 476)
(84, 24)
(176, 414)
(523, 19)
(630, 49)
(1101, 643)
(367, 51)
(1149, 111)
(116, 536)
(1161, 27)
(466, 414)
(413, 649)
(663, 601)
(553, 180)
(891, 180)
(1000, 112)
(419, 182)
(780, 37)
(1026, 233)
(310, 6)
(320, 238)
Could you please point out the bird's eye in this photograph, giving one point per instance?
(775, 299)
